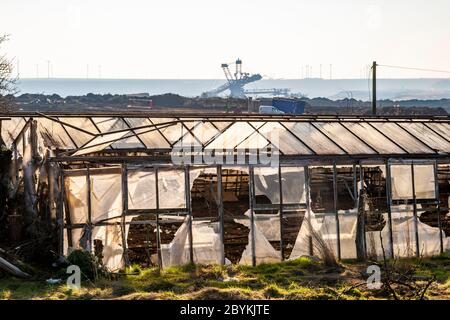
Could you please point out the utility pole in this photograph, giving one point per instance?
(374, 88)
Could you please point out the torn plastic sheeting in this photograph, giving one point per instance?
(11, 129)
(30, 197)
(101, 142)
(76, 198)
(106, 204)
(206, 245)
(173, 254)
(404, 238)
(76, 234)
(53, 134)
(264, 251)
(269, 225)
(325, 226)
(111, 238)
(293, 184)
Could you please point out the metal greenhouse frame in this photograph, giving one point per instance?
(78, 149)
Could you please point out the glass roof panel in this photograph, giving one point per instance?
(422, 132)
(114, 124)
(221, 125)
(254, 141)
(101, 142)
(79, 137)
(152, 138)
(403, 138)
(53, 134)
(442, 128)
(373, 138)
(80, 122)
(312, 137)
(283, 139)
(344, 138)
(149, 136)
(232, 136)
(205, 131)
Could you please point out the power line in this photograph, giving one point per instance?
(412, 68)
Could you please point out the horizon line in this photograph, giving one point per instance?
(215, 79)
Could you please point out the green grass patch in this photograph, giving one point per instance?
(302, 278)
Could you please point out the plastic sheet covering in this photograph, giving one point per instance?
(53, 134)
(171, 189)
(115, 124)
(111, 238)
(76, 198)
(174, 253)
(264, 252)
(106, 201)
(106, 196)
(173, 132)
(267, 183)
(206, 241)
(79, 137)
(100, 143)
(269, 225)
(11, 129)
(206, 245)
(404, 239)
(325, 226)
(151, 137)
(106, 206)
(423, 181)
(141, 189)
(75, 234)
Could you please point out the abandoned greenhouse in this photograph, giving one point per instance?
(169, 190)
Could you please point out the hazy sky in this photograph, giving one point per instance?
(191, 38)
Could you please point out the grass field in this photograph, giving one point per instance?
(303, 278)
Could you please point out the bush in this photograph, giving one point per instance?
(87, 263)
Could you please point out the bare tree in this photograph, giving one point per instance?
(7, 81)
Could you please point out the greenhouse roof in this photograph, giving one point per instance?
(299, 136)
